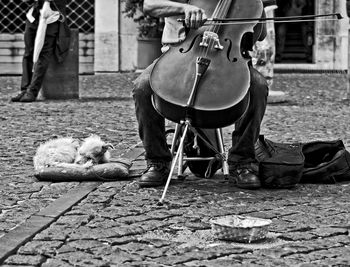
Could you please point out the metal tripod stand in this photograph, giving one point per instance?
(180, 133)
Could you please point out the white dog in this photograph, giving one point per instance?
(67, 152)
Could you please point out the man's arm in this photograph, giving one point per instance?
(194, 16)
(163, 8)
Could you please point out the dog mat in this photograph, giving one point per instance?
(112, 171)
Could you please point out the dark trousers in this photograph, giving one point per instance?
(33, 79)
(247, 129)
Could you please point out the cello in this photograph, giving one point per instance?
(206, 78)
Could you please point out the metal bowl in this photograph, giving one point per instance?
(242, 229)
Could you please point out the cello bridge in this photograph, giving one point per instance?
(211, 38)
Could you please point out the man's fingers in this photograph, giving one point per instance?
(195, 18)
(188, 19)
(193, 21)
(204, 18)
(199, 19)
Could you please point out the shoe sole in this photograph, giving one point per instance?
(27, 101)
(147, 184)
(245, 186)
(249, 186)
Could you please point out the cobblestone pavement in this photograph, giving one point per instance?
(118, 224)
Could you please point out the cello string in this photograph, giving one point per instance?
(210, 28)
(203, 49)
(220, 11)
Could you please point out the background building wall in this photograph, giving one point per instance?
(107, 36)
(331, 44)
(128, 36)
(115, 38)
(108, 40)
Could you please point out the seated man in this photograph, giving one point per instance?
(241, 157)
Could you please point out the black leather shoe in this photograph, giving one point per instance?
(18, 97)
(246, 176)
(28, 97)
(155, 175)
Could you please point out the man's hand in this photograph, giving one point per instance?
(194, 17)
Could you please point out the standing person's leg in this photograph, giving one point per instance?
(42, 64)
(152, 133)
(241, 156)
(281, 32)
(307, 42)
(27, 61)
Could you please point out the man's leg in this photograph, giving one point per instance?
(241, 157)
(42, 64)
(152, 133)
(27, 61)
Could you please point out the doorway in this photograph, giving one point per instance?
(294, 41)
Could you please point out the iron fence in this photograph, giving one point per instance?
(80, 15)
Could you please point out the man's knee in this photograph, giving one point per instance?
(141, 88)
(259, 86)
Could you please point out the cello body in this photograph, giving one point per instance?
(221, 93)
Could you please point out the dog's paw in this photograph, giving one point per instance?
(88, 164)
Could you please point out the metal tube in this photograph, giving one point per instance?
(222, 150)
(173, 164)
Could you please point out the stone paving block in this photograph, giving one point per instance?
(65, 202)
(134, 152)
(80, 258)
(115, 241)
(74, 220)
(57, 263)
(120, 258)
(45, 248)
(214, 263)
(55, 232)
(85, 244)
(329, 262)
(25, 260)
(10, 242)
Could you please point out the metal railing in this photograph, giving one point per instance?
(80, 15)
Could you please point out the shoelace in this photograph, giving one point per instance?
(240, 169)
(158, 166)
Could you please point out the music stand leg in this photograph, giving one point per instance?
(225, 168)
(175, 160)
(175, 137)
(180, 166)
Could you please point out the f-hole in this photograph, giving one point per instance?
(246, 44)
(229, 48)
(182, 50)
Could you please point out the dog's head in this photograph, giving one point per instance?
(92, 149)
